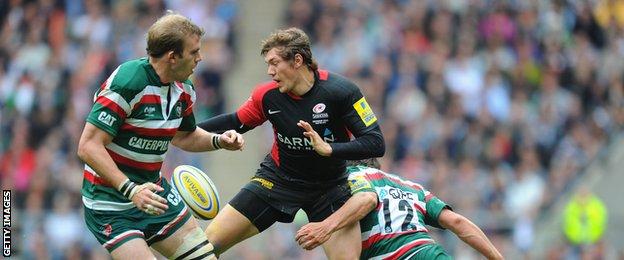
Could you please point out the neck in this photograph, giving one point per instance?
(161, 69)
(305, 82)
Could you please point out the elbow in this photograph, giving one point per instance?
(370, 201)
(82, 151)
(380, 146)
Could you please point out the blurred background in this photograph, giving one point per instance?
(510, 111)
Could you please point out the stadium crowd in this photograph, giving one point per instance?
(507, 101)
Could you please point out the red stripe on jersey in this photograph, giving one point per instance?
(180, 85)
(160, 132)
(378, 237)
(132, 163)
(419, 208)
(408, 247)
(95, 180)
(251, 113)
(428, 197)
(106, 102)
(379, 176)
(148, 99)
(323, 74)
(189, 103)
(275, 149)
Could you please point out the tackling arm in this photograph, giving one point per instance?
(357, 207)
(468, 232)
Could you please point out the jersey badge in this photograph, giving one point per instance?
(358, 183)
(318, 108)
(107, 230)
(365, 112)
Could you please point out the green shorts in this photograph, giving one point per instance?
(429, 251)
(113, 228)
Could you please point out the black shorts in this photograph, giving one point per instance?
(265, 202)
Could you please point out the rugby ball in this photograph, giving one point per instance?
(197, 191)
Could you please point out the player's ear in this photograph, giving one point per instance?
(298, 60)
(171, 57)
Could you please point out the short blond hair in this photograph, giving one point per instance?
(168, 33)
(288, 43)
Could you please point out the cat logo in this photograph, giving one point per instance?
(106, 118)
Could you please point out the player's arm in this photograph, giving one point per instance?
(369, 145)
(357, 207)
(248, 115)
(92, 150)
(224, 122)
(468, 232)
(200, 140)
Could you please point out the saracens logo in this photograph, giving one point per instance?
(318, 108)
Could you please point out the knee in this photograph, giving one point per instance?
(212, 236)
(194, 246)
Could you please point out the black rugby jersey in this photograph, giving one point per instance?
(334, 107)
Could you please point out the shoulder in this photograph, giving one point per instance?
(261, 89)
(337, 82)
(130, 77)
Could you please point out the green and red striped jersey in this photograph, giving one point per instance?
(142, 114)
(397, 226)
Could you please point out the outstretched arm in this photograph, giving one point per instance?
(316, 233)
(468, 232)
(224, 122)
(200, 141)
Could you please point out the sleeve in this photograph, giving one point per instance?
(110, 108)
(188, 117)
(251, 112)
(359, 183)
(433, 208)
(224, 122)
(362, 123)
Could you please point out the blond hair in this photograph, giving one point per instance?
(168, 33)
(288, 43)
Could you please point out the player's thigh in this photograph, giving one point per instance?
(188, 242)
(228, 228)
(132, 249)
(345, 243)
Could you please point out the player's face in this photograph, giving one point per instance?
(281, 71)
(186, 63)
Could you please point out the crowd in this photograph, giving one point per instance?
(496, 106)
(53, 56)
(507, 101)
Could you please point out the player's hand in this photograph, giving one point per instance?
(312, 235)
(145, 199)
(320, 146)
(231, 140)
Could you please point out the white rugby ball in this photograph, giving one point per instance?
(197, 191)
